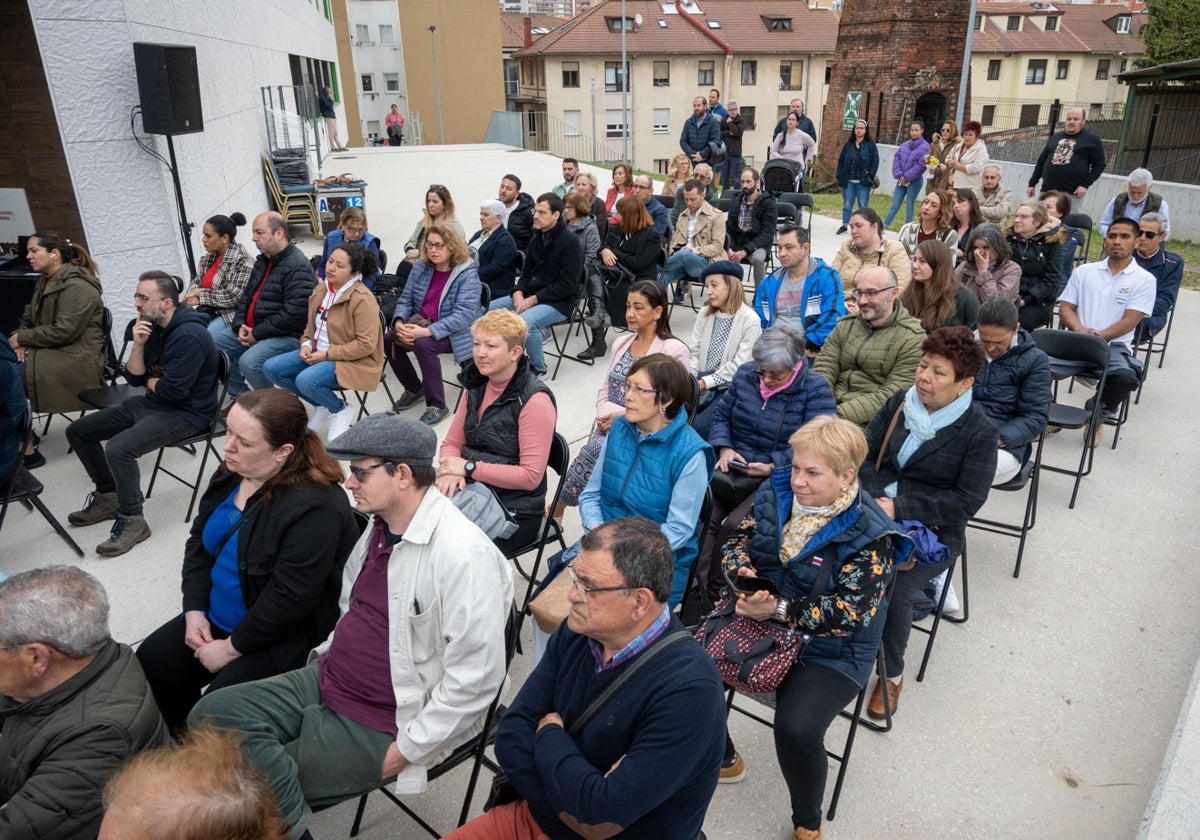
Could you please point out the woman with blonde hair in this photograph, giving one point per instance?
(943, 144)
(585, 184)
(439, 209)
(934, 221)
(678, 172)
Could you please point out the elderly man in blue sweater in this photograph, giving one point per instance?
(647, 763)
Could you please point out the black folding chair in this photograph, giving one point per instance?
(113, 393)
(1083, 223)
(800, 201)
(22, 487)
(572, 326)
(552, 529)
(1029, 479)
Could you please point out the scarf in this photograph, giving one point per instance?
(806, 521)
(922, 426)
(766, 393)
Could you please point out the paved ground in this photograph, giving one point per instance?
(1047, 715)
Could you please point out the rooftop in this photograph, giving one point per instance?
(1080, 29)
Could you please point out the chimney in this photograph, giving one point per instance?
(528, 31)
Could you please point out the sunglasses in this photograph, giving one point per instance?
(1149, 235)
(360, 473)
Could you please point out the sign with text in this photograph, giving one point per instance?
(853, 106)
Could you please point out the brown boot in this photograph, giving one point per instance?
(802, 833)
(875, 707)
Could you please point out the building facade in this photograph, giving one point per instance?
(369, 43)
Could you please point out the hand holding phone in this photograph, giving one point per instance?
(750, 585)
(741, 465)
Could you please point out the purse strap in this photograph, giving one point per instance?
(887, 437)
(626, 675)
(251, 506)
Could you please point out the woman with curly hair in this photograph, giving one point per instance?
(935, 221)
(678, 172)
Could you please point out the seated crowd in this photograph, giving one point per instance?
(860, 408)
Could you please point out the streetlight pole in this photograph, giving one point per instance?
(437, 86)
(624, 89)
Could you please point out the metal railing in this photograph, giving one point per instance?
(543, 132)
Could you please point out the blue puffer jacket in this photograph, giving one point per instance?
(457, 310)
(824, 300)
(640, 475)
(861, 527)
(1014, 392)
(695, 138)
(759, 430)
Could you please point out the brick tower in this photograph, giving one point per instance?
(907, 54)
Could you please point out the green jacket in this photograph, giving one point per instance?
(865, 365)
(58, 751)
(63, 329)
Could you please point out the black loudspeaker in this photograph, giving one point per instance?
(169, 87)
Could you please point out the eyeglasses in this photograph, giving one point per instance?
(360, 473)
(436, 187)
(432, 245)
(1150, 234)
(145, 299)
(629, 386)
(860, 294)
(584, 591)
(642, 187)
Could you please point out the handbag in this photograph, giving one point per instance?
(416, 320)
(732, 487)
(753, 656)
(481, 505)
(503, 792)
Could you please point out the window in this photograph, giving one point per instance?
(511, 83)
(391, 82)
(1063, 69)
(362, 33)
(978, 23)
(613, 77)
(780, 25)
(1035, 72)
(662, 74)
(661, 164)
(989, 115)
(662, 120)
(368, 82)
(713, 24)
(828, 73)
(1014, 23)
(572, 122)
(1051, 24)
(387, 34)
(1123, 24)
(749, 73)
(662, 24)
(1124, 64)
(614, 124)
(570, 74)
(1095, 110)
(1030, 115)
(993, 69)
(747, 113)
(1102, 68)
(531, 123)
(372, 128)
(705, 76)
(615, 24)
(791, 75)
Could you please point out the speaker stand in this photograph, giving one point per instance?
(185, 227)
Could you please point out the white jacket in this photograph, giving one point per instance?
(448, 659)
(744, 331)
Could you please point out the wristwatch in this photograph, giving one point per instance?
(781, 608)
(469, 471)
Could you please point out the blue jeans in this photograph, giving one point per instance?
(535, 317)
(247, 362)
(910, 192)
(854, 191)
(682, 264)
(731, 173)
(313, 383)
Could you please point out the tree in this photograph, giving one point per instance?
(1172, 33)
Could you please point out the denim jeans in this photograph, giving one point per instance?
(901, 194)
(731, 173)
(536, 317)
(308, 753)
(428, 351)
(854, 191)
(132, 428)
(312, 383)
(246, 366)
(682, 264)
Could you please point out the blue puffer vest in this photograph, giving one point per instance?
(640, 474)
(859, 526)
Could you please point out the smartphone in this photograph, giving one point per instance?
(749, 585)
(741, 465)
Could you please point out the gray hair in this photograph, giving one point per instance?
(997, 312)
(994, 237)
(493, 206)
(60, 606)
(1141, 178)
(732, 103)
(640, 553)
(703, 166)
(778, 348)
(995, 166)
(1153, 217)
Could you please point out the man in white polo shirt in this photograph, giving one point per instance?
(1108, 299)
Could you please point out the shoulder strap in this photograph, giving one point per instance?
(887, 437)
(246, 511)
(634, 666)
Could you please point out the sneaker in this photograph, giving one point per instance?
(319, 421)
(98, 508)
(127, 531)
(407, 400)
(842, 229)
(732, 770)
(540, 375)
(434, 415)
(33, 460)
(340, 423)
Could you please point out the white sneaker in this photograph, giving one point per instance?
(319, 421)
(341, 422)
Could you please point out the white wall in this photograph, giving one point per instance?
(126, 198)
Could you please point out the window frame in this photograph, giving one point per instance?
(665, 126)
(702, 79)
(1035, 71)
(615, 85)
(657, 80)
(1103, 69)
(366, 82)
(752, 66)
(1063, 69)
(566, 83)
(993, 70)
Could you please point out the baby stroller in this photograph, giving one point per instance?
(780, 175)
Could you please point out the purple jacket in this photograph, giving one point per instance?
(909, 162)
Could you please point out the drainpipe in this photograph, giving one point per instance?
(712, 36)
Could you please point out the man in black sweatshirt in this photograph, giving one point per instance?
(173, 357)
(1072, 160)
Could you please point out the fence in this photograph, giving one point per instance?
(1163, 136)
(543, 132)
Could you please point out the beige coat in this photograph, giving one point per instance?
(849, 263)
(355, 336)
(708, 239)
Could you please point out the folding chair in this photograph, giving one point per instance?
(693, 590)
(214, 429)
(1085, 349)
(474, 750)
(361, 396)
(573, 325)
(1029, 479)
(112, 363)
(485, 300)
(113, 393)
(800, 201)
(939, 610)
(22, 487)
(1152, 345)
(667, 201)
(1083, 223)
(552, 529)
(296, 203)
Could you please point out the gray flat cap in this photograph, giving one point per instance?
(391, 437)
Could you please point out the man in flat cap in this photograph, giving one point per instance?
(416, 657)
